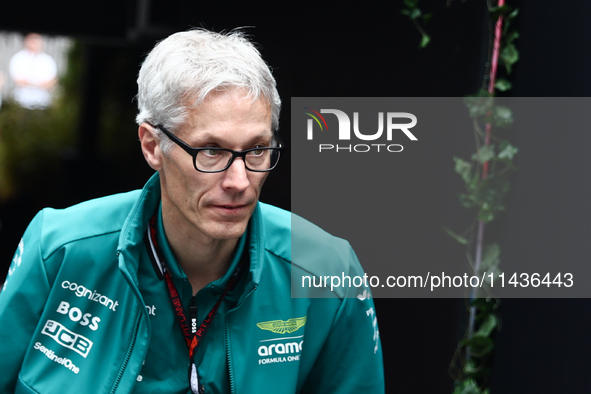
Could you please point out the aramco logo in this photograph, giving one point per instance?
(391, 119)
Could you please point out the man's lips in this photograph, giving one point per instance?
(230, 208)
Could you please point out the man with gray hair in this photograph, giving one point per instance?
(185, 286)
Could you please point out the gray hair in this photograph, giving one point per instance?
(184, 68)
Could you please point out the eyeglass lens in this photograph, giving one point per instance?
(214, 159)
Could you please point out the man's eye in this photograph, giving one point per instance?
(212, 152)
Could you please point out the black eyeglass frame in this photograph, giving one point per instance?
(194, 151)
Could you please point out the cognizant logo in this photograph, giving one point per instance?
(392, 126)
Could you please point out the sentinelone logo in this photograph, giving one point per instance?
(344, 132)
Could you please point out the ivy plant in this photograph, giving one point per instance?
(486, 175)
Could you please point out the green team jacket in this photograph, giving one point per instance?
(73, 318)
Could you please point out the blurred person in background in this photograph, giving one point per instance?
(34, 74)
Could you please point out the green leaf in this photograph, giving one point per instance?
(405, 12)
(471, 368)
(503, 116)
(509, 56)
(485, 305)
(463, 168)
(508, 151)
(512, 37)
(490, 263)
(485, 153)
(486, 214)
(474, 183)
(461, 240)
(503, 85)
(411, 3)
(491, 257)
(467, 201)
(468, 386)
(480, 346)
(513, 14)
(427, 17)
(487, 327)
(425, 41)
(489, 197)
(496, 12)
(415, 13)
(480, 104)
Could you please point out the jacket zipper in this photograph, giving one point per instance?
(193, 315)
(128, 354)
(227, 340)
(230, 371)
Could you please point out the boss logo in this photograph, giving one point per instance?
(75, 314)
(67, 338)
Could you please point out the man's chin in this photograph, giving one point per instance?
(227, 230)
(228, 223)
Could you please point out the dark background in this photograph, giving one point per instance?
(368, 50)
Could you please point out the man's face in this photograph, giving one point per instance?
(215, 206)
(34, 43)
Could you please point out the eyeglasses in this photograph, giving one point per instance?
(213, 159)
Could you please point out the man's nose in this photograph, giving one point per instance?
(236, 176)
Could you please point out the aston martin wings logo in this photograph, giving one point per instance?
(283, 326)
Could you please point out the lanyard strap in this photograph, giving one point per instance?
(193, 335)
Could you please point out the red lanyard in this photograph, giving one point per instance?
(196, 335)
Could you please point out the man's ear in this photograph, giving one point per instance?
(150, 146)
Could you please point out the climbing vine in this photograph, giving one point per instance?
(486, 177)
